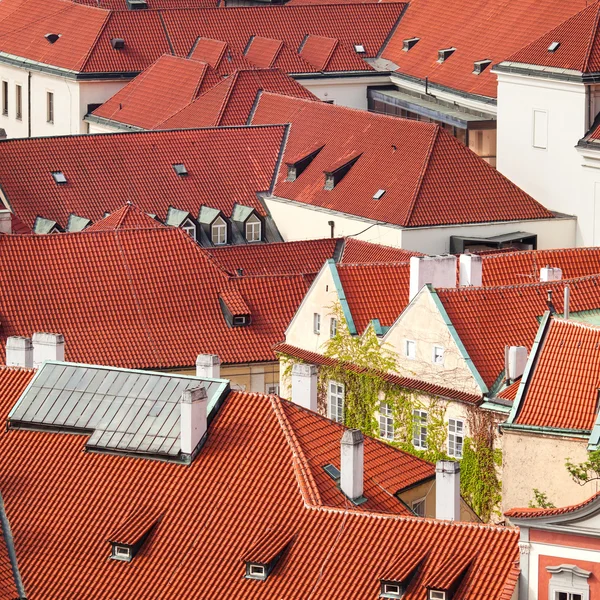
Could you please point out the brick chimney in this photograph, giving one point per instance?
(193, 424)
(439, 271)
(304, 386)
(447, 490)
(352, 464)
(19, 352)
(47, 346)
(5, 221)
(208, 366)
(470, 270)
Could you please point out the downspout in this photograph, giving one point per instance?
(29, 104)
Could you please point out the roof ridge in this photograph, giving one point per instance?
(232, 80)
(304, 476)
(92, 47)
(593, 36)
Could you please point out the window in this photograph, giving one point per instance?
(436, 595)
(438, 355)
(418, 507)
(50, 107)
(121, 552)
(19, 101)
(456, 429)
(253, 227)
(336, 401)
(5, 98)
(568, 596)
(540, 129)
(254, 571)
(239, 321)
(317, 323)
(386, 421)
(411, 349)
(391, 590)
(189, 228)
(568, 582)
(272, 388)
(332, 327)
(59, 177)
(420, 429)
(219, 232)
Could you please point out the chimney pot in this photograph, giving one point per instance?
(304, 386)
(47, 346)
(352, 464)
(447, 490)
(208, 366)
(470, 270)
(19, 352)
(5, 221)
(439, 271)
(193, 424)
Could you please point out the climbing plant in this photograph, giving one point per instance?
(586, 471)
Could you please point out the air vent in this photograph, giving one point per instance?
(479, 66)
(445, 54)
(137, 4)
(180, 169)
(409, 43)
(52, 37)
(59, 177)
(359, 48)
(553, 47)
(378, 194)
(337, 173)
(117, 43)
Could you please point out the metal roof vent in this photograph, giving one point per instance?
(378, 194)
(180, 169)
(409, 43)
(553, 47)
(137, 4)
(59, 177)
(479, 66)
(359, 48)
(117, 43)
(52, 37)
(445, 54)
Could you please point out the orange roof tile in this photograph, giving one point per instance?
(510, 392)
(128, 217)
(74, 503)
(134, 527)
(532, 513)
(13, 381)
(317, 50)
(359, 252)
(268, 546)
(429, 177)
(262, 52)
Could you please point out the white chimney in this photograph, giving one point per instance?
(5, 221)
(304, 386)
(440, 271)
(471, 270)
(352, 463)
(447, 490)
(515, 360)
(550, 274)
(193, 423)
(47, 346)
(567, 303)
(208, 366)
(19, 352)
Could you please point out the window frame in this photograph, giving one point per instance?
(453, 435)
(442, 595)
(253, 222)
(433, 354)
(50, 107)
(408, 344)
(421, 424)
(220, 226)
(317, 323)
(419, 502)
(332, 327)
(188, 227)
(19, 101)
(5, 97)
(338, 397)
(386, 422)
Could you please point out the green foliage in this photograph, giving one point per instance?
(586, 471)
(540, 500)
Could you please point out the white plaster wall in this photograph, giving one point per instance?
(14, 127)
(95, 92)
(550, 175)
(345, 91)
(97, 128)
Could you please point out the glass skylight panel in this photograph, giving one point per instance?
(59, 177)
(378, 194)
(359, 48)
(553, 47)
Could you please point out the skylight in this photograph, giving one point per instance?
(553, 47)
(118, 43)
(360, 49)
(59, 177)
(378, 194)
(180, 169)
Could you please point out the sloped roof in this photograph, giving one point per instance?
(359, 252)
(161, 90)
(67, 502)
(230, 102)
(13, 380)
(225, 167)
(152, 4)
(429, 177)
(534, 513)
(128, 217)
(137, 298)
(510, 392)
(490, 318)
(479, 30)
(579, 48)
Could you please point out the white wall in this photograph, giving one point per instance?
(14, 127)
(345, 91)
(97, 128)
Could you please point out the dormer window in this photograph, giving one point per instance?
(438, 595)
(189, 228)
(218, 232)
(52, 38)
(121, 552)
(391, 589)
(262, 558)
(445, 54)
(127, 540)
(479, 66)
(240, 320)
(298, 165)
(253, 229)
(400, 572)
(59, 177)
(409, 43)
(256, 571)
(337, 173)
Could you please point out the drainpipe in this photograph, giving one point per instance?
(332, 225)
(29, 104)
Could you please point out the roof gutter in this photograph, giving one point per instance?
(90, 118)
(579, 433)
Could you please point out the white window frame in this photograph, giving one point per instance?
(410, 349)
(433, 355)
(570, 595)
(5, 97)
(568, 579)
(317, 323)
(419, 502)
(332, 327)
(386, 421)
(437, 595)
(420, 418)
(272, 388)
(539, 137)
(336, 394)
(456, 432)
(218, 232)
(253, 229)
(18, 102)
(50, 107)
(189, 228)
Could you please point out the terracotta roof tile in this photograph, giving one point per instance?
(429, 177)
(533, 513)
(262, 52)
(13, 381)
(268, 546)
(134, 527)
(128, 217)
(360, 252)
(317, 50)
(152, 4)
(510, 392)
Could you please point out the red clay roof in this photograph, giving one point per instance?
(429, 177)
(359, 252)
(479, 30)
(13, 381)
(135, 526)
(569, 359)
(151, 298)
(230, 102)
(533, 513)
(75, 501)
(225, 167)
(579, 48)
(488, 319)
(152, 4)
(407, 382)
(510, 392)
(128, 217)
(164, 88)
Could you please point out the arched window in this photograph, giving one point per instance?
(253, 229)
(219, 232)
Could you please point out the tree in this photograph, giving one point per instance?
(540, 500)
(586, 471)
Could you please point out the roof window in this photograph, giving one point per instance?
(262, 558)
(59, 177)
(52, 37)
(445, 54)
(479, 66)
(409, 43)
(438, 595)
(117, 43)
(180, 169)
(378, 194)
(298, 165)
(391, 589)
(359, 48)
(400, 572)
(337, 173)
(553, 47)
(137, 4)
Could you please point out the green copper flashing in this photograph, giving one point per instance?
(495, 407)
(457, 340)
(379, 329)
(342, 296)
(580, 433)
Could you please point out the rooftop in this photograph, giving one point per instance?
(537, 513)
(128, 217)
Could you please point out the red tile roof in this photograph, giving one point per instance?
(75, 501)
(481, 29)
(164, 88)
(13, 381)
(533, 513)
(152, 4)
(359, 252)
(407, 382)
(429, 177)
(151, 298)
(510, 392)
(317, 50)
(230, 102)
(262, 52)
(135, 526)
(225, 167)
(488, 319)
(128, 217)
(579, 48)
(569, 359)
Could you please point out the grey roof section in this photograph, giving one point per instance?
(76, 223)
(128, 411)
(241, 212)
(42, 225)
(176, 217)
(208, 215)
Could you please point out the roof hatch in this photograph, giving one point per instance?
(553, 47)
(117, 43)
(445, 54)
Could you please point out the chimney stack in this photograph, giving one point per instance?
(471, 270)
(47, 346)
(548, 273)
(5, 221)
(567, 308)
(304, 386)
(447, 490)
(515, 360)
(352, 464)
(439, 271)
(193, 424)
(19, 352)
(208, 366)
